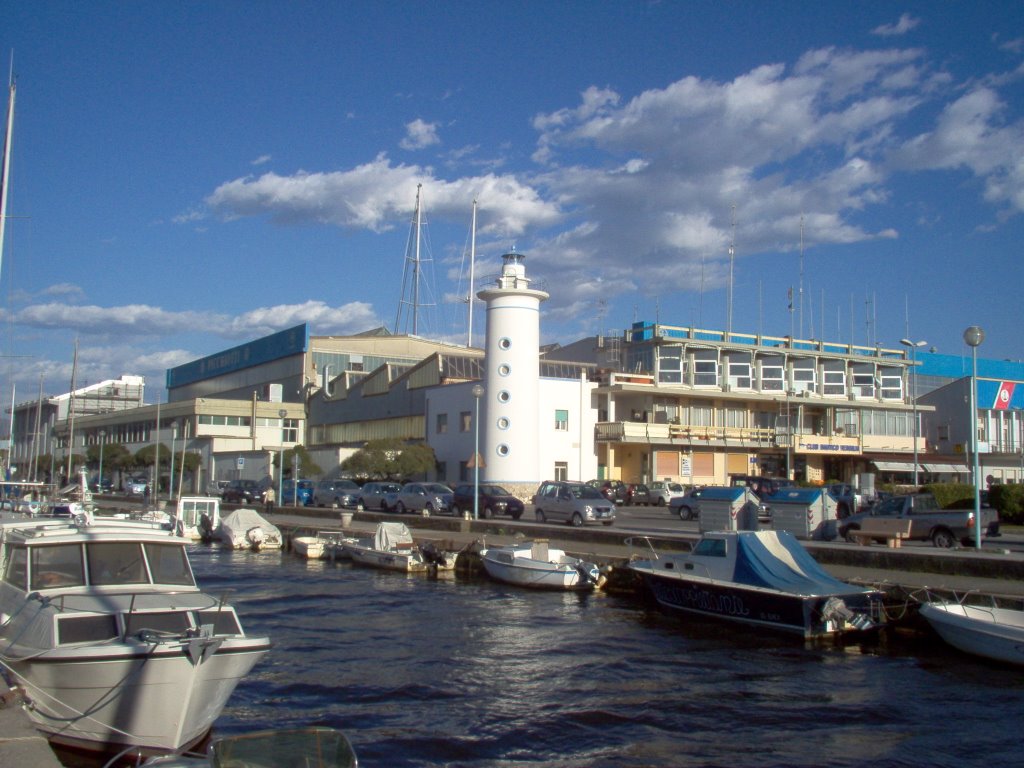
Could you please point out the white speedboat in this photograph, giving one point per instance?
(988, 631)
(763, 578)
(316, 547)
(197, 517)
(248, 529)
(114, 645)
(392, 548)
(538, 565)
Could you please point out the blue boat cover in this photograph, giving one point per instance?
(776, 560)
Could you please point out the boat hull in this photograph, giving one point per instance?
(309, 547)
(508, 568)
(155, 696)
(992, 633)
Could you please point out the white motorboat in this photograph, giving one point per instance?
(197, 517)
(316, 547)
(114, 645)
(315, 747)
(248, 529)
(763, 578)
(988, 631)
(537, 565)
(392, 548)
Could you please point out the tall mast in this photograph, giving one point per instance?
(732, 259)
(416, 269)
(472, 265)
(6, 178)
(71, 412)
(801, 295)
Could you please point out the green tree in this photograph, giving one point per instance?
(146, 457)
(390, 459)
(307, 467)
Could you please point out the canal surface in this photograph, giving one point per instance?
(458, 672)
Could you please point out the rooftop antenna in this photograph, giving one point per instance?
(801, 290)
(732, 259)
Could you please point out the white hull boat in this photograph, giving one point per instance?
(248, 529)
(197, 517)
(760, 578)
(318, 547)
(392, 548)
(539, 566)
(114, 645)
(991, 632)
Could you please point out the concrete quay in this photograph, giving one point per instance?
(20, 743)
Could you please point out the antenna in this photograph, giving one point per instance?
(732, 259)
(801, 293)
(472, 263)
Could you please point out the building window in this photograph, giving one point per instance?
(504, 343)
(773, 375)
(804, 379)
(670, 365)
(442, 423)
(864, 381)
(834, 383)
(705, 368)
(739, 375)
(504, 396)
(465, 421)
(562, 421)
(891, 384)
(442, 470)
(561, 470)
(289, 430)
(503, 450)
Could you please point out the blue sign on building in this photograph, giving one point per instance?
(292, 341)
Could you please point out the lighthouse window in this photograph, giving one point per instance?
(503, 450)
(504, 370)
(503, 423)
(504, 396)
(504, 342)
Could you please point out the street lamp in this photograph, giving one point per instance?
(170, 482)
(913, 386)
(974, 335)
(99, 478)
(280, 459)
(478, 392)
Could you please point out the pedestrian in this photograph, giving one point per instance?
(269, 497)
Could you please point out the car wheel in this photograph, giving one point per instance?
(685, 513)
(540, 516)
(845, 533)
(516, 515)
(661, 502)
(943, 539)
(383, 506)
(400, 508)
(488, 513)
(577, 520)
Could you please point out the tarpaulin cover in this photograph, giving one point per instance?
(776, 560)
(390, 535)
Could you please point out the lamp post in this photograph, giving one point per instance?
(913, 386)
(478, 392)
(170, 482)
(295, 479)
(974, 335)
(99, 477)
(280, 458)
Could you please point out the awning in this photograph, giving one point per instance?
(956, 469)
(897, 466)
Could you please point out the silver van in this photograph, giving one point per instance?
(573, 503)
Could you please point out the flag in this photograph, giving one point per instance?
(790, 307)
(1004, 396)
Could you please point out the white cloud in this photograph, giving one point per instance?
(901, 27)
(419, 134)
(261, 160)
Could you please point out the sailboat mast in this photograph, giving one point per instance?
(71, 412)
(416, 269)
(5, 179)
(472, 265)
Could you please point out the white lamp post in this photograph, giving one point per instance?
(974, 336)
(280, 459)
(478, 392)
(913, 387)
(99, 477)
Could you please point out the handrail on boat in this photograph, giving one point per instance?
(629, 542)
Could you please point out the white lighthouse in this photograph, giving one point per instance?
(510, 441)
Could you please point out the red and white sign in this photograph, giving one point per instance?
(1003, 396)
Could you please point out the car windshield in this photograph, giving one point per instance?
(585, 492)
(345, 485)
(675, 487)
(437, 488)
(494, 490)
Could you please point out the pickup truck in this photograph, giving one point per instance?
(928, 521)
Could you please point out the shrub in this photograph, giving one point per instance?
(1009, 500)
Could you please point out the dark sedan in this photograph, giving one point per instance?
(243, 492)
(687, 507)
(494, 500)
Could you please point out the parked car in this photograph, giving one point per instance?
(687, 506)
(638, 494)
(297, 493)
(493, 500)
(849, 500)
(243, 492)
(104, 486)
(573, 503)
(426, 498)
(216, 487)
(374, 495)
(928, 521)
(336, 493)
(662, 493)
(135, 486)
(614, 490)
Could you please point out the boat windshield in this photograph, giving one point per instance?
(109, 563)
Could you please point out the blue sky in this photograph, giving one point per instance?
(191, 175)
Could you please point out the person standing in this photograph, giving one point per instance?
(269, 497)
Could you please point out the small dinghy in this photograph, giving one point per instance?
(987, 631)
(248, 529)
(535, 564)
